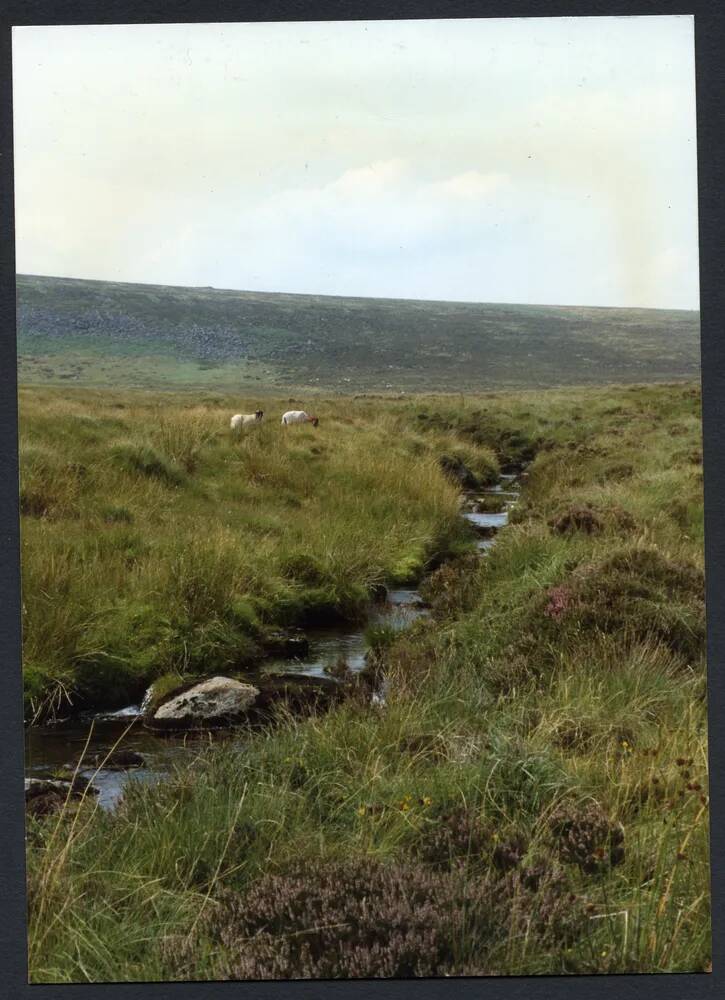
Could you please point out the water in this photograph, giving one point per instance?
(60, 746)
(332, 644)
(486, 520)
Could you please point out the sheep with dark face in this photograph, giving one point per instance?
(299, 417)
(240, 420)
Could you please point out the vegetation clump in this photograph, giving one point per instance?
(592, 520)
(586, 837)
(146, 461)
(577, 519)
(362, 920)
(636, 592)
(456, 836)
(457, 470)
(453, 587)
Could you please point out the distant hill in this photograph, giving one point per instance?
(111, 333)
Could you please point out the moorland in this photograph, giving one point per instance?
(531, 795)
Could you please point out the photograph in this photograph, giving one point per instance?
(362, 545)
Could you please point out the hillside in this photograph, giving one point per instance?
(109, 333)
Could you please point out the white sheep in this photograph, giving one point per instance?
(299, 417)
(240, 420)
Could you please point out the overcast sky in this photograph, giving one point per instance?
(547, 160)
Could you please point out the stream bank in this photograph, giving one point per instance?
(54, 749)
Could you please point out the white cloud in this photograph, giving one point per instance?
(371, 179)
(472, 185)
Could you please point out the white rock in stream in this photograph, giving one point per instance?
(214, 700)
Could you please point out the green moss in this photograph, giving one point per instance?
(409, 569)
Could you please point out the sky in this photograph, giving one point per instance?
(543, 160)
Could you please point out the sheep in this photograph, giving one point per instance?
(240, 420)
(299, 417)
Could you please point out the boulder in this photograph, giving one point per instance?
(44, 796)
(208, 704)
(458, 471)
(120, 760)
(252, 699)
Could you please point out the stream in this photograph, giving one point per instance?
(59, 746)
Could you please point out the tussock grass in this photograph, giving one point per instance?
(543, 740)
(144, 533)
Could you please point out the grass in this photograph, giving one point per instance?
(155, 540)
(532, 799)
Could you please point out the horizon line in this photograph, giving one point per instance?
(374, 298)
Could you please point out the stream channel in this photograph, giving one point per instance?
(59, 746)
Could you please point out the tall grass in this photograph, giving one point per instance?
(543, 741)
(147, 524)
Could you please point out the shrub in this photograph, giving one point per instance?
(585, 836)
(591, 520)
(576, 519)
(364, 919)
(637, 592)
(458, 835)
(454, 587)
